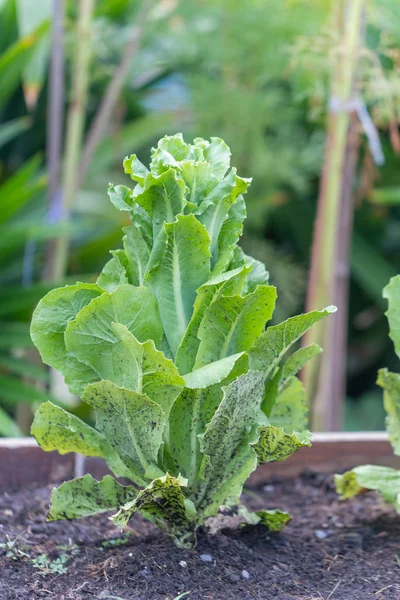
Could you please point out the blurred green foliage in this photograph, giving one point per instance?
(253, 73)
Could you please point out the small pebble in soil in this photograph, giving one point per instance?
(268, 488)
(183, 563)
(321, 534)
(245, 574)
(206, 558)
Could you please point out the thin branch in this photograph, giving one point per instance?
(110, 98)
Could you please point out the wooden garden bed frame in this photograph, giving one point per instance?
(24, 463)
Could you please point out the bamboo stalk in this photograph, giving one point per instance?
(319, 375)
(54, 124)
(75, 126)
(110, 98)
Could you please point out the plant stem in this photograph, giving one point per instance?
(110, 98)
(75, 126)
(54, 123)
(323, 276)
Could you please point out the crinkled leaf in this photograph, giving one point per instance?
(49, 322)
(85, 496)
(199, 179)
(231, 324)
(229, 254)
(390, 382)
(163, 500)
(269, 348)
(180, 265)
(392, 293)
(131, 422)
(258, 275)
(274, 520)
(120, 196)
(113, 275)
(135, 169)
(217, 153)
(226, 284)
(384, 480)
(137, 253)
(91, 335)
(56, 429)
(142, 368)
(163, 198)
(229, 458)
(290, 409)
(274, 444)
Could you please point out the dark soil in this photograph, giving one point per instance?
(331, 550)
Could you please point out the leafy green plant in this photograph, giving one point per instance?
(169, 348)
(385, 480)
(12, 548)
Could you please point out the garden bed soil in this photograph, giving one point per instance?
(331, 550)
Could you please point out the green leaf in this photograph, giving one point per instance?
(297, 360)
(258, 275)
(392, 293)
(231, 230)
(12, 129)
(225, 284)
(135, 169)
(164, 502)
(214, 209)
(274, 444)
(200, 181)
(8, 428)
(384, 480)
(120, 196)
(231, 324)
(217, 153)
(14, 391)
(56, 429)
(20, 188)
(270, 347)
(131, 422)
(229, 458)
(290, 409)
(49, 322)
(85, 496)
(29, 16)
(113, 275)
(390, 382)
(212, 373)
(274, 520)
(89, 337)
(137, 254)
(24, 368)
(163, 198)
(179, 266)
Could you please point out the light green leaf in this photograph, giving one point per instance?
(49, 322)
(229, 458)
(135, 169)
(258, 274)
(163, 198)
(231, 324)
(141, 368)
(137, 252)
(89, 338)
(297, 360)
(384, 480)
(290, 409)
(56, 429)
(270, 347)
(390, 382)
(179, 266)
(131, 422)
(212, 373)
(392, 293)
(85, 496)
(120, 196)
(164, 502)
(274, 520)
(217, 153)
(190, 414)
(113, 275)
(274, 444)
(8, 428)
(199, 179)
(229, 254)
(226, 284)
